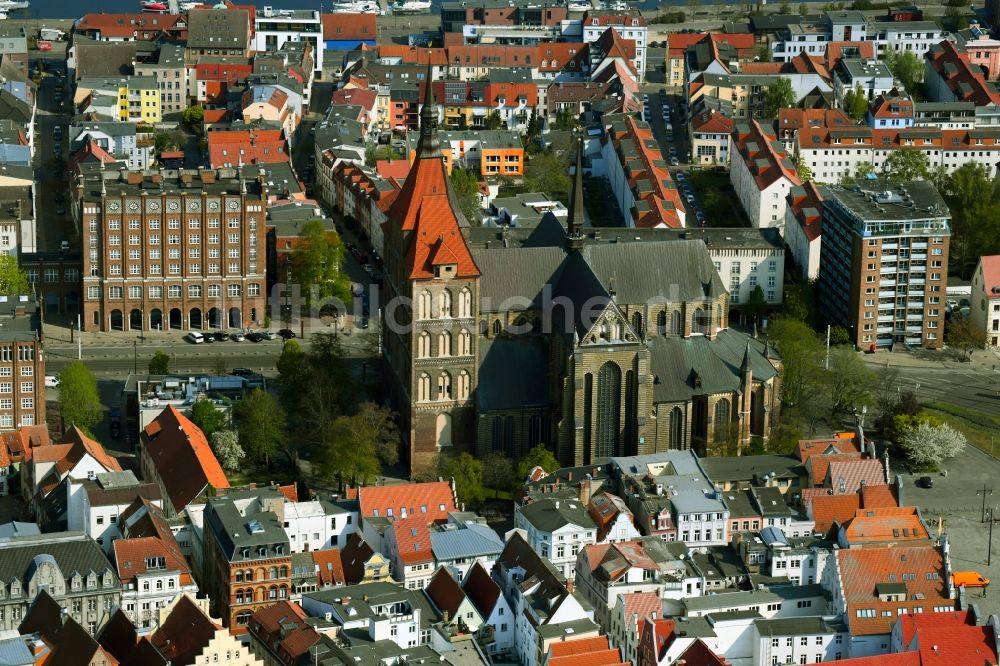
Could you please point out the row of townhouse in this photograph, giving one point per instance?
(810, 36)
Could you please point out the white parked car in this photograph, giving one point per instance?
(51, 381)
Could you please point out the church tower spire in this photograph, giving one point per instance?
(430, 145)
(576, 210)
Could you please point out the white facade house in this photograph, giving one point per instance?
(803, 229)
(778, 602)
(749, 258)
(557, 529)
(107, 498)
(544, 608)
(629, 25)
(901, 36)
(493, 607)
(800, 640)
(384, 611)
(873, 76)
(152, 575)
(984, 304)
(273, 27)
(761, 173)
(317, 525)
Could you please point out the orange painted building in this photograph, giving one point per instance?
(490, 153)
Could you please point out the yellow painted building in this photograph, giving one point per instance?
(135, 99)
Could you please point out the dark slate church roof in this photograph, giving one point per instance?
(675, 362)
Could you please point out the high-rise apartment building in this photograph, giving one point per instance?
(884, 263)
(182, 249)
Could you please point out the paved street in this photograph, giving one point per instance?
(53, 226)
(936, 376)
(954, 499)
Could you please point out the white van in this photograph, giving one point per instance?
(195, 338)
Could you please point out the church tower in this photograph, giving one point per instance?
(431, 346)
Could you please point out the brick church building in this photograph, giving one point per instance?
(499, 340)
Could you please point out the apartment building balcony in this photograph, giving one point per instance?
(915, 317)
(883, 330)
(919, 246)
(920, 256)
(886, 283)
(887, 294)
(885, 320)
(890, 246)
(919, 282)
(914, 329)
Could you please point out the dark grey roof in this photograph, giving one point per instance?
(548, 515)
(94, 58)
(218, 29)
(516, 273)
(750, 467)
(512, 373)
(233, 531)
(73, 552)
(677, 364)
(794, 626)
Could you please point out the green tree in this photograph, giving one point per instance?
(566, 120)
(856, 103)
(468, 475)
(963, 334)
(537, 457)
(800, 302)
(194, 117)
(780, 95)
(227, 449)
(805, 173)
(318, 265)
(863, 169)
(907, 164)
(908, 69)
(850, 384)
(348, 452)
(887, 395)
(209, 419)
(756, 305)
(801, 353)
(465, 182)
(927, 446)
(839, 336)
(973, 199)
(260, 421)
(170, 140)
(785, 8)
(12, 279)
(293, 372)
(160, 363)
(493, 121)
(498, 472)
(79, 401)
(376, 426)
(549, 173)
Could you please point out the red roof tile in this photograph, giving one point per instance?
(861, 569)
(811, 447)
(578, 646)
(330, 567)
(413, 540)
(909, 625)
(431, 500)
(349, 27)
(446, 594)
(130, 27)
(765, 159)
(846, 476)
(81, 445)
(965, 80)
(819, 466)
(892, 524)
(130, 558)
(481, 589)
(699, 654)
(184, 633)
(642, 604)
(249, 146)
(991, 273)
(182, 457)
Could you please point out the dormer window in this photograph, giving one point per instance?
(594, 22)
(635, 22)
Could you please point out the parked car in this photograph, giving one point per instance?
(238, 337)
(116, 429)
(195, 338)
(268, 335)
(220, 336)
(242, 372)
(51, 381)
(674, 161)
(925, 482)
(286, 334)
(256, 336)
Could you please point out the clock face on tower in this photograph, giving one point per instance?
(134, 205)
(213, 205)
(153, 206)
(173, 205)
(233, 205)
(194, 206)
(113, 206)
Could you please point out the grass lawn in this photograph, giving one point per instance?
(718, 199)
(980, 428)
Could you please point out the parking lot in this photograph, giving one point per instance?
(956, 499)
(667, 118)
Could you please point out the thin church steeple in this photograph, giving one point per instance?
(430, 145)
(576, 209)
